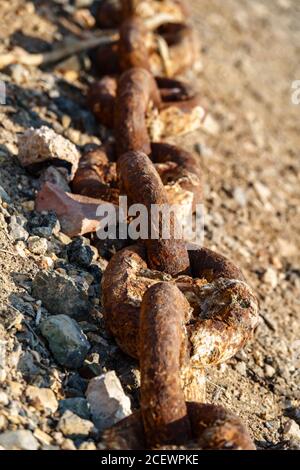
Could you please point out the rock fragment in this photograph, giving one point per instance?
(42, 398)
(291, 430)
(77, 214)
(43, 224)
(18, 440)
(16, 228)
(39, 147)
(79, 253)
(37, 245)
(67, 343)
(72, 425)
(107, 400)
(61, 294)
(270, 277)
(77, 405)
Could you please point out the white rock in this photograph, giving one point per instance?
(270, 277)
(41, 145)
(3, 398)
(240, 196)
(37, 245)
(16, 228)
(210, 125)
(42, 398)
(292, 430)
(108, 402)
(241, 368)
(262, 191)
(269, 371)
(72, 425)
(18, 440)
(2, 360)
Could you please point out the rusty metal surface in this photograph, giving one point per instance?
(176, 309)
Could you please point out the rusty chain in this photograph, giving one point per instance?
(177, 310)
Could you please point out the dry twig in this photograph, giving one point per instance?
(20, 56)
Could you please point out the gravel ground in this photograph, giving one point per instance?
(250, 159)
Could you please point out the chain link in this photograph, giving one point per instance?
(176, 310)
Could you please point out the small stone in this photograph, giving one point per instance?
(269, 371)
(77, 214)
(79, 253)
(61, 294)
(42, 398)
(270, 277)
(3, 398)
(37, 245)
(4, 196)
(19, 73)
(240, 196)
(77, 405)
(241, 368)
(76, 386)
(72, 425)
(68, 344)
(107, 400)
(27, 366)
(63, 238)
(43, 224)
(45, 263)
(66, 121)
(87, 446)
(210, 125)
(83, 3)
(41, 436)
(18, 440)
(291, 430)
(28, 205)
(3, 425)
(68, 444)
(203, 150)
(262, 191)
(42, 145)
(20, 248)
(16, 389)
(16, 228)
(54, 176)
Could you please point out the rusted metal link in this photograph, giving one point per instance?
(179, 171)
(136, 171)
(178, 110)
(97, 176)
(165, 418)
(163, 349)
(111, 13)
(176, 310)
(137, 91)
(181, 175)
(182, 49)
(134, 44)
(101, 100)
(213, 428)
(170, 49)
(224, 311)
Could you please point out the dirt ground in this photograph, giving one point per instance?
(251, 165)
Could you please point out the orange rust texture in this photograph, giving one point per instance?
(162, 345)
(143, 185)
(137, 89)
